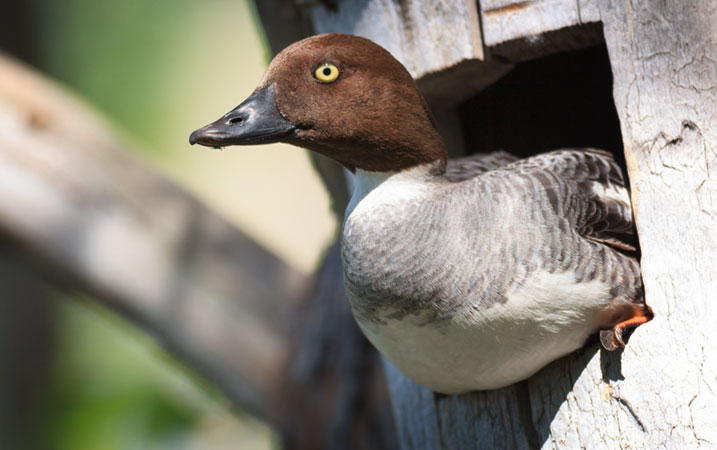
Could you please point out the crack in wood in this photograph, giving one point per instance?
(631, 412)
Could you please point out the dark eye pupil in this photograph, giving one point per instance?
(327, 71)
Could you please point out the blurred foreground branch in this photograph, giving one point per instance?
(72, 196)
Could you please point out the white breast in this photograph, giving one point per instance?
(547, 317)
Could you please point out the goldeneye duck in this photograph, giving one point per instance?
(467, 274)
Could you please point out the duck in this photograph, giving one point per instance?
(466, 274)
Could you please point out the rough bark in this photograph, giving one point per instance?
(659, 392)
(78, 201)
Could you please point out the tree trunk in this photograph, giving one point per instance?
(664, 61)
(661, 390)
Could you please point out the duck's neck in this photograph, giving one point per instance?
(393, 186)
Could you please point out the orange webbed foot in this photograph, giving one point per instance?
(612, 339)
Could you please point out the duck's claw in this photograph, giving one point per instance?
(612, 339)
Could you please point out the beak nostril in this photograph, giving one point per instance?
(236, 120)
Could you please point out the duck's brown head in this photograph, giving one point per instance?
(339, 95)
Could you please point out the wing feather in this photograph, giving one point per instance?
(593, 185)
(461, 169)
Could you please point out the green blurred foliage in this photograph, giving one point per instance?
(110, 389)
(120, 55)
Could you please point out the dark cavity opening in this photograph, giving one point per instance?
(558, 101)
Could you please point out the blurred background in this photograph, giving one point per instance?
(157, 70)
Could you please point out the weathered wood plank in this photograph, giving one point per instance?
(520, 30)
(507, 20)
(664, 62)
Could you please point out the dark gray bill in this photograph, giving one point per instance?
(256, 121)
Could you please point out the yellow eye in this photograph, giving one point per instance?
(327, 73)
